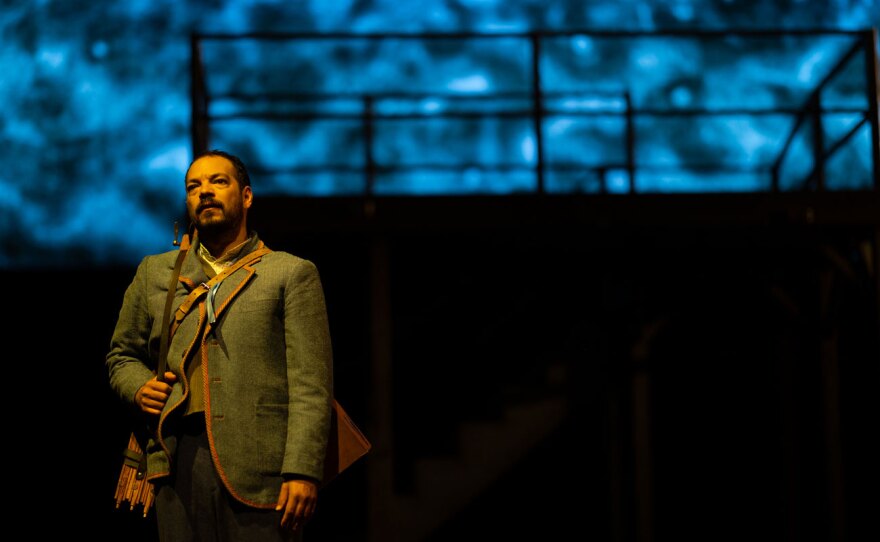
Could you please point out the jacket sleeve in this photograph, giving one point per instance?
(128, 361)
(309, 372)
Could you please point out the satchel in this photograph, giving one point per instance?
(345, 443)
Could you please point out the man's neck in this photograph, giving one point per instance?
(217, 245)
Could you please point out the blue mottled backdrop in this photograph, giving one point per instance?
(95, 111)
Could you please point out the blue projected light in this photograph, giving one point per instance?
(96, 118)
(473, 83)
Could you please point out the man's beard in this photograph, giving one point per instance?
(213, 226)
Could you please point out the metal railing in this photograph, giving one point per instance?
(535, 106)
(813, 112)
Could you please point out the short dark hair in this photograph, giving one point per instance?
(241, 172)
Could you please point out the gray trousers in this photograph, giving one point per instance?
(194, 506)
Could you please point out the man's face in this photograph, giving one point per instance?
(214, 199)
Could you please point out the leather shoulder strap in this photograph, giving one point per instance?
(169, 300)
(204, 287)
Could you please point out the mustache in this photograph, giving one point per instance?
(208, 203)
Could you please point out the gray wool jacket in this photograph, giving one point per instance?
(266, 367)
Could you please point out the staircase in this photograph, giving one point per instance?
(487, 450)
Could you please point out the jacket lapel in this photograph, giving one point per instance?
(192, 273)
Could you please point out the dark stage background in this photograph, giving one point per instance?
(714, 382)
(569, 298)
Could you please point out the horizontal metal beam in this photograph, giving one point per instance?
(292, 215)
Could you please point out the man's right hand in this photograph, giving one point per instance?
(152, 395)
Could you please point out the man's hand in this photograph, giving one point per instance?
(298, 499)
(153, 395)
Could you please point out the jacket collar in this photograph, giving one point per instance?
(193, 273)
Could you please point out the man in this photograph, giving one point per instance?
(239, 423)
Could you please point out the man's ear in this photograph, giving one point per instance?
(247, 196)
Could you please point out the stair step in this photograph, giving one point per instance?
(487, 451)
